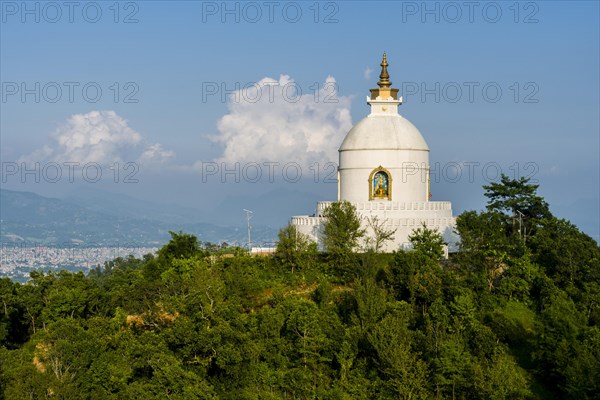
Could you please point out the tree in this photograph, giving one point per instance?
(569, 256)
(485, 247)
(481, 231)
(427, 241)
(500, 378)
(370, 303)
(380, 234)
(406, 373)
(181, 245)
(519, 197)
(13, 330)
(293, 247)
(342, 231)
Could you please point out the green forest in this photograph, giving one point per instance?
(513, 314)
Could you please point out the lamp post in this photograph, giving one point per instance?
(521, 234)
(248, 217)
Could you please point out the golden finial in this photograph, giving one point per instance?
(384, 77)
(385, 91)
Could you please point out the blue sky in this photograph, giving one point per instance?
(508, 85)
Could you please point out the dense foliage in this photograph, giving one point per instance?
(510, 316)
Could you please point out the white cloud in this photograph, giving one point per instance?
(155, 153)
(278, 121)
(367, 73)
(101, 137)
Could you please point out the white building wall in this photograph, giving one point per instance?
(403, 218)
(409, 170)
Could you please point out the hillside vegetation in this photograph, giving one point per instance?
(515, 314)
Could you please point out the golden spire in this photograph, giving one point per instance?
(385, 91)
(384, 77)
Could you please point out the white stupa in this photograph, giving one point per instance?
(384, 172)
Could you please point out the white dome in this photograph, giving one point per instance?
(384, 132)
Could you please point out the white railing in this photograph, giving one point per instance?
(305, 220)
(401, 206)
(391, 222)
(393, 206)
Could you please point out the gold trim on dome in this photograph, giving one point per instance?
(383, 180)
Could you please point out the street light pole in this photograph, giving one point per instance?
(521, 215)
(248, 217)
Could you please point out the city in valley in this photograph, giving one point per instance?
(17, 262)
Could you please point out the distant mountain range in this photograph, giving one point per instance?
(101, 219)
